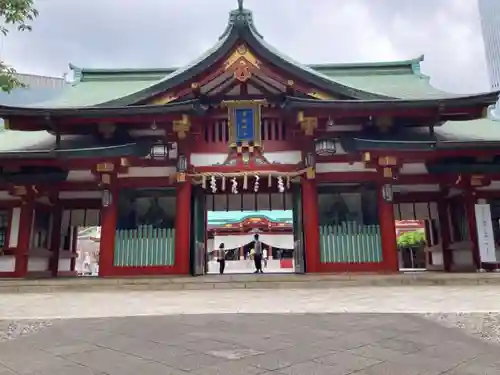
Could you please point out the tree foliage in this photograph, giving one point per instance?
(411, 239)
(18, 15)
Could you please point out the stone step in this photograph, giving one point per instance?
(266, 281)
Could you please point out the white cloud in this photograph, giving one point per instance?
(153, 33)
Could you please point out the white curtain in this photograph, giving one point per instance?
(282, 241)
(232, 241)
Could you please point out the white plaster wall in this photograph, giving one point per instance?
(14, 227)
(80, 175)
(495, 185)
(7, 263)
(462, 253)
(413, 168)
(148, 172)
(65, 264)
(206, 159)
(38, 264)
(437, 257)
(284, 157)
(6, 196)
(343, 167)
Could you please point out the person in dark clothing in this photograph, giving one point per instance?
(257, 256)
(221, 258)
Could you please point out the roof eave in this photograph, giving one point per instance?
(129, 149)
(485, 99)
(187, 107)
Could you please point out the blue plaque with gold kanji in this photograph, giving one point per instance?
(244, 119)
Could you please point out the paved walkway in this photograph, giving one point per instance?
(250, 344)
(358, 300)
(249, 332)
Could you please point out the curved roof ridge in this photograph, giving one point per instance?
(370, 64)
(241, 27)
(120, 70)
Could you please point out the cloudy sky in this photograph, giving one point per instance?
(163, 33)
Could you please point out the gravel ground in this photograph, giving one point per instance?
(485, 326)
(10, 329)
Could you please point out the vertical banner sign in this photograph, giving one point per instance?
(244, 121)
(485, 237)
(245, 125)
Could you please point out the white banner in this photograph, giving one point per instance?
(485, 236)
(278, 241)
(232, 241)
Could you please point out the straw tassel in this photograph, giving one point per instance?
(269, 181)
(223, 185)
(204, 181)
(245, 182)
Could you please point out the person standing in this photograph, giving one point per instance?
(221, 258)
(257, 257)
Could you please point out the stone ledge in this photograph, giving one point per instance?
(267, 281)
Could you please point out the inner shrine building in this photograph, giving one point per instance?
(349, 148)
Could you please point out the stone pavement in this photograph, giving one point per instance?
(250, 344)
(411, 299)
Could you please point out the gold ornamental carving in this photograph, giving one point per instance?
(241, 62)
(19, 190)
(307, 124)
(105, 167)
(164, 99)
(387, 161)
(320, 95)
(242, 53)
(182, 126)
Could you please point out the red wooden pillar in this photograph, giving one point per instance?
(108, 230)
(470, 211)
(24, 239)
(182, 227)
(311, 225)
(55, 238)
(388, 233)
(444, 228)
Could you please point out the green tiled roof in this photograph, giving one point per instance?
(101, 86)
(96, 86)
(484, 129)
(115, 87)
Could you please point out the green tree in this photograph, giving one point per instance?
(411, 239)
(14, 14)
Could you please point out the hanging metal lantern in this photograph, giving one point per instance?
(387, 193)
(107, 198)
(309, 161)
(182, 164)
(325, 146)
(160, 152)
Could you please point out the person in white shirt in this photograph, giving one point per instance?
(264, 257)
